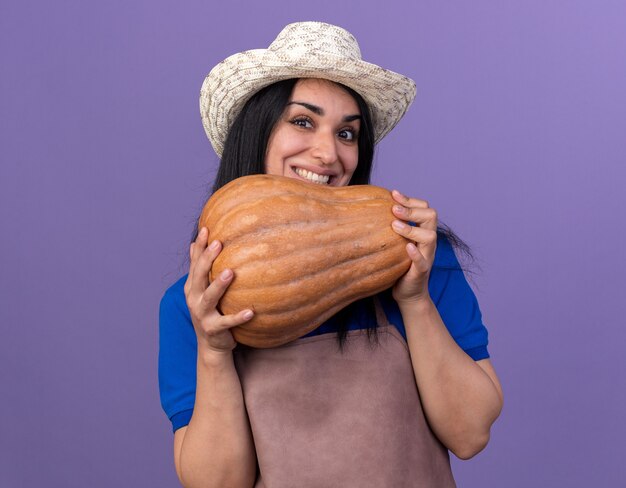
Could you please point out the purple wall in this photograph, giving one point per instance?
(517, 137)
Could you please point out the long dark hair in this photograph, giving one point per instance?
(244, 154)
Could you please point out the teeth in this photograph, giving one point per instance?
(314, 177)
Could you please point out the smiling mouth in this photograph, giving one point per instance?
(312, 177)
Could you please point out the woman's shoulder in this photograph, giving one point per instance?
(445, 257)
(173, 299)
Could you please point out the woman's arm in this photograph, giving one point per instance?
(461, 398)
(216, 449)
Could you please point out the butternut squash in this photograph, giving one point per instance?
(300, 252)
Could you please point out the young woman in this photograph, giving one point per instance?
(412, 377)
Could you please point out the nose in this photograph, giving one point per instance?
(325, 148)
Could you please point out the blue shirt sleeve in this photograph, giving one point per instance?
(178, 349)
(455, 302)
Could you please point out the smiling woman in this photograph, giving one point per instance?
(411, 378)
(316, 137)
(245, 150)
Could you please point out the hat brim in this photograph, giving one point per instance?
(235, 80)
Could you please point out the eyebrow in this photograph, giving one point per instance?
(320, 111)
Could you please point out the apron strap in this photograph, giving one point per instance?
(381, 316)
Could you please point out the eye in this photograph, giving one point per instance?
(347, 134)
(302, 122)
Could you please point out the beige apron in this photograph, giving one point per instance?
(324, 418)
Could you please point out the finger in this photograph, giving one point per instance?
(199, 245)
(187, 286)
(200, 279)
(424, 217)
(419, 235)
(426, 239)
(195, 250)
(193, 247)
(420, 261)
(215, 291)
(233, 320)
(408, 201)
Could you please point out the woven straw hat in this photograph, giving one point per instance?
(302, 50)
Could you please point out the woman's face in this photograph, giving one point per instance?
(316, 138)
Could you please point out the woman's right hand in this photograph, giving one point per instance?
(212, 328)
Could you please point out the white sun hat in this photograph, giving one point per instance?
(302, 50)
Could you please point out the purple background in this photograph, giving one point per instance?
(517, 137)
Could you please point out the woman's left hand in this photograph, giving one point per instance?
(413, 286)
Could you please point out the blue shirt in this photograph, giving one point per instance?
(449, 290)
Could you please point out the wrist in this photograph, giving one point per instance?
(416, 305)
(212, 357)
